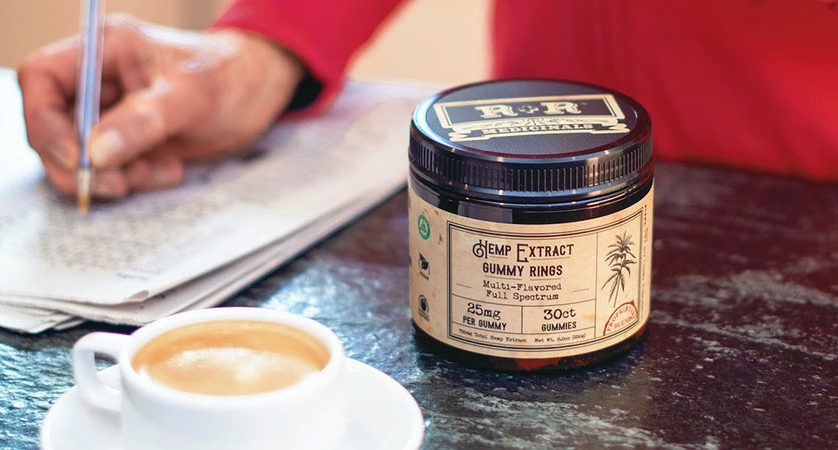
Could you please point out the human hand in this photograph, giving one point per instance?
(168, 96)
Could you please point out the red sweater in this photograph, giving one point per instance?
(746, 83)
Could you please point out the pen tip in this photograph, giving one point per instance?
(83, 190)
(84, 204)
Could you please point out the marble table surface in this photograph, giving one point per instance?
(740, 353)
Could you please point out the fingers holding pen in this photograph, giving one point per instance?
(138, 123)
(107, 185)
(147, 173)
(50, 129)
(118, 145)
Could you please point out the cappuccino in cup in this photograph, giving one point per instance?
(221, 378)
(230, 357)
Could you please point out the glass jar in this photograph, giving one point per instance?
(530, 208)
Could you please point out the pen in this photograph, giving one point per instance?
(89, 85)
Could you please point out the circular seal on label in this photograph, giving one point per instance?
(622, 316)
(424, 227)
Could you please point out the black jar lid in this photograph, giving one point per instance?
(531, 140)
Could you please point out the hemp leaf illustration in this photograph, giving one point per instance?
(619, 258)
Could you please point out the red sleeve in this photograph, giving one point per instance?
(324, 34)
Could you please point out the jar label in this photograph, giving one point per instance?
(530, 291)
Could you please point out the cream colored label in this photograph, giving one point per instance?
(530, 291)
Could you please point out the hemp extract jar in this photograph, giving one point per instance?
(530, 215)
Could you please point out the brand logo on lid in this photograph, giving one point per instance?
(474, 120)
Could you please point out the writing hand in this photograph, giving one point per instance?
(168, 96)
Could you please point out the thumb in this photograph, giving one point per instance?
(139, 122)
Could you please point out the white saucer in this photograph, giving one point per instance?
(382, 415)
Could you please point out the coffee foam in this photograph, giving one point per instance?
(230, 357)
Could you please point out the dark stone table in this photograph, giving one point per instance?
(741, 350)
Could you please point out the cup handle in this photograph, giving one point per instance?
(93, 389)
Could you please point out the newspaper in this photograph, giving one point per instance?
(232, 221)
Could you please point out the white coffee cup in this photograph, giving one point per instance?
(310, 414)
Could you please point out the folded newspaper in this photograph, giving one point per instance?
(155, 254)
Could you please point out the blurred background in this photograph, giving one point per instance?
(413, 30)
